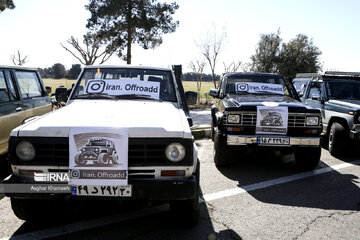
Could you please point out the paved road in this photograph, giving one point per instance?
(262, 196)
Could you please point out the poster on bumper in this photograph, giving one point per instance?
(272, 120)
(98, 156)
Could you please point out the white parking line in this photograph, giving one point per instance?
(273, 182)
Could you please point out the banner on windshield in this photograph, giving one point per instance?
(252, 87)
(123, 87)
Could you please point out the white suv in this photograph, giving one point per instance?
(142, 110)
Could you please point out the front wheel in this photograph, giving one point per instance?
(28, 209)
(78, 161)
(103, 158)
(337, 139)
(187, 211)
(221, 149)
(307, 158)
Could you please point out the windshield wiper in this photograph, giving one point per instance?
(136, 96)
(96, 96)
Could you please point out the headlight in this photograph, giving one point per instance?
(233, 118)
(25, 151)
(312, 121)
(175, 152)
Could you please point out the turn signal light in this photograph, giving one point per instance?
(310, 131)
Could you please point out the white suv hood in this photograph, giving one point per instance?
(142, 118)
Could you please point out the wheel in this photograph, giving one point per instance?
(212, 131)
(187, 211)
(115, 159)
(28, 209)
(221, 149)
(337, 139)
(103, 158)
(79, 162)
(307, 158)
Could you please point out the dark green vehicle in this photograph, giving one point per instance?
(22, 97)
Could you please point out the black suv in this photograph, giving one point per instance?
(99, 151)
(337, 95)
(263, 110)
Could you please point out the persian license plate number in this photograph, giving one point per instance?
(274, 141)
(106, 191)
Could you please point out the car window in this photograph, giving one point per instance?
(10, 82)
(4, 95)
(343, 89)
(29, 84)
(315, 90)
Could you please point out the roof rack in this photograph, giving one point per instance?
(306, 75)
(355, 74)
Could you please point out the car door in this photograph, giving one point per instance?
(35, 99)
(313, 96)
(11, 113)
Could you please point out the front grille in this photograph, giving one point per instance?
(141, 151)
(296, 121)
(248, 119)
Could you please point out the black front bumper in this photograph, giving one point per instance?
(155, 190)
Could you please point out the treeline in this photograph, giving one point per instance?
(190, 76)
(58, 71)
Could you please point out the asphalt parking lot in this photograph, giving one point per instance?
(260, 196)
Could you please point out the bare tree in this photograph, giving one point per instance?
(18, 60)
(210, 47)
(233, 66)
(91, 52)
(198, 68)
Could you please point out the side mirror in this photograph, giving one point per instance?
(61, 94)
(191, 97)
(190, 121)
(315, 97)
(214, 93)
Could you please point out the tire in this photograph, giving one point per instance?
(212, 131)
(115, 159)
(337, 140)
(28, 209)
(307, 158)
(187, 211)
(221, 149)
(103, 158)
(78, 161)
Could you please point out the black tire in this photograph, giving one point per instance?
(337, 140)
(212, 131)
(28, 209)
(115, 159)
(78, 161)
(187, 211)
(307, 158)
(103, 158)
(221, 149)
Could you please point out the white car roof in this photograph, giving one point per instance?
(126, 66)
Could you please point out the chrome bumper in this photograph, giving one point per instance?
(244, 140)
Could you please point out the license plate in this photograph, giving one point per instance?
(273, 140)
(105, 191)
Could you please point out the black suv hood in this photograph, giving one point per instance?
(250, 102)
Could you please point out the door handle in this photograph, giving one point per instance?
(18, 109)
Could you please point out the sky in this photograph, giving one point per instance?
(36, 28)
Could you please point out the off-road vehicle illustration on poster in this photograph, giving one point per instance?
(272, 119)
(99, 151)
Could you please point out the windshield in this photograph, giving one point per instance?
(272, 85)
(125, 83)
(343, 89)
